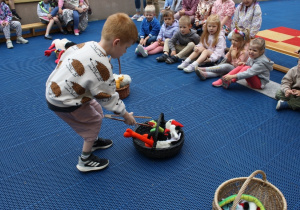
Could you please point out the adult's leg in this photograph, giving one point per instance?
(76, 19)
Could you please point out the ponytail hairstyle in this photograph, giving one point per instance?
(254, 2)
(204, 37)
(243, 36)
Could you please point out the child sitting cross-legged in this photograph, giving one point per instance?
(237, 53)
(288, 95)
(150, 27)
(182, 42)
(211, 47)
(168, 29)
(256, 70)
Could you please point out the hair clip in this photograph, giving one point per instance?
(239, 32)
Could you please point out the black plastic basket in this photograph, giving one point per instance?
(153, 152)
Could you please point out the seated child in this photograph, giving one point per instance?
(167, 6)
(150, 27)
(189, 8)
(6, 24)
(203, 11)
(256, 70)
(211, 47)
(44, 9)
(237, 53)
(168, 29)
(247, 15)
(289, 92)
(225, 10)
(182, 42)
(83, 82)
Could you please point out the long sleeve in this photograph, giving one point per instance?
(291, 80)
(256, 21)
(40, 12)
(161, 32)
(219, 49)
(155, 27)
(142, 28)
(7, 15)
(173, 40)
(191, 8)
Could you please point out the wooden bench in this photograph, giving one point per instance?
(33, 29)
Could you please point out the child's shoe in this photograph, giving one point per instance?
(281, 104)
(225, 83)
(92, 163)
(48, 37)
(137, 52)
(76, 32)
(172, 59)
(136, 16)
(142, 51)
(90, 11)
(162, 58)
(64, 32)
(21, 40)
(190, 68)
(9, 45)
(217, 83)
(183, 65)
(141, 18)
(200, 74)
(101, 143)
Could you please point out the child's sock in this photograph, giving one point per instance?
(195, 63)
(188, 60)
(85, 155)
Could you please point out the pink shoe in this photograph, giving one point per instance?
(76, 32)
(217, 83)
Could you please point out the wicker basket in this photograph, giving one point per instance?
(123, 91)
(153, 152)
(268, 194)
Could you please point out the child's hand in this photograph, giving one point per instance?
(182, 12)
(296, 92)
(49, 16)
(228, 77)
(79, 9)
(80, 4)
(288, 93)
(173, 53)
(241, 63)
(197, 23)
(5, 23)
(60, 11)
(129, 119)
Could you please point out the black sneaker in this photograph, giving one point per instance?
(162, 58)
(101, 144)
(92, 163)
(15, 15)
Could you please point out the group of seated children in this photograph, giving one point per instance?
(205, 54)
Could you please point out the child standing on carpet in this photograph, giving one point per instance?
(44, 11)
(237, 53)
(211, 47)
(288, 95)
(6, 24)
(182, 42)
(82, 83)
(256, 70)
(150, 27)
(225, 10)
(168, 29)
(247, 15)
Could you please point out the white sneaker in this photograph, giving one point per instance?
(9, 45)
(141, 50)
(189, 69)
(21, 40)
(183, 65)
(141, 18)
(136, 16)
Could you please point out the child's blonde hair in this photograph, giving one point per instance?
(260, 42)
(150, 8)
(119, 26)
(242, 36)
(185, 20)
(204, 37)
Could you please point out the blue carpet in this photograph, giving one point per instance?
(228, 134)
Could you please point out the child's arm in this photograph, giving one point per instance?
(236, 16)
(172, 42)
(192, 11)
(7, 15)
(219, 49)
(287, 81)
(40, 12)
(155, 28)
(256, 21)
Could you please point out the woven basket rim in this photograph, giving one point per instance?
(233, 180)
(123, 88)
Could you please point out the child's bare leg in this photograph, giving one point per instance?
(204, 55)
(56, 20)
(49, 26)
